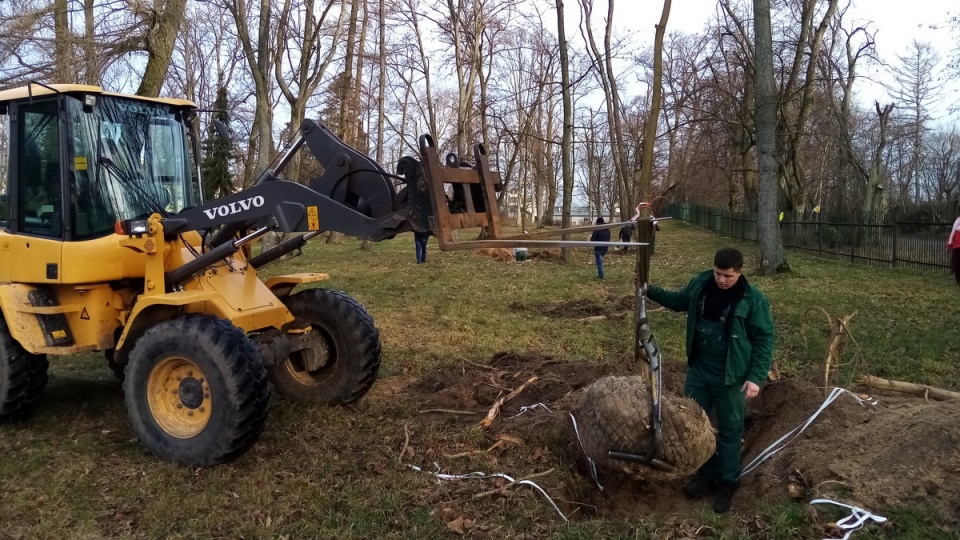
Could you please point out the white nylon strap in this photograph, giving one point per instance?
(479, 474)
(855, 521)
(774, 448)
(528, 408)
(593, 466)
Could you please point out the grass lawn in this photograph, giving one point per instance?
(76, 471)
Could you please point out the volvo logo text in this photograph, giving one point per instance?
(235, 207)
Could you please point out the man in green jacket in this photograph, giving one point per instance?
(729, 351)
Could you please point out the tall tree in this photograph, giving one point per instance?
(566, 143)
(649, 139)
(215, 167)
(917, 90)
(300, 66)
(258, 51)
(62, 53)
(165, 18)
(603, 63)
(772, 256)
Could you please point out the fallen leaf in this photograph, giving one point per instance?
(456, 526)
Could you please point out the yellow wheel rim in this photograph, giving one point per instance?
(179, 397)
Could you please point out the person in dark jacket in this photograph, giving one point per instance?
(625, 232)
(730, 341)
(420, 239)
(601, 235)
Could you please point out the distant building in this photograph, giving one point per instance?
(579, 214)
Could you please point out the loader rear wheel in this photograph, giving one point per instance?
(23, 378)
(348, 350)
(196, 390)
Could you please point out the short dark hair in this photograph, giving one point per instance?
(728, 258)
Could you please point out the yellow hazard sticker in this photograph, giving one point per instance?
(59, 334)
(313, 218)
(80, 163)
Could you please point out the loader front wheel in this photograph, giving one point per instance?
(343, 364)
(196, 390)
(23, 378)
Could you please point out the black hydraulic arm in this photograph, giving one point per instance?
(286, 207)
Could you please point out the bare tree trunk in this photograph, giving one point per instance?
(92, 75)
(160, 41)
(381, 77)
(566, 144)
(603, 64)
(650, 136)
(772, 256)
(355, 98)
(306, 71)
(63, 45)
(874, 187)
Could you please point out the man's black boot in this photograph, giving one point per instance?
(699, 486)
(724, 498)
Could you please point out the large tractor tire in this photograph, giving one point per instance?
(23, 378)
(348, 353)
(196, 390)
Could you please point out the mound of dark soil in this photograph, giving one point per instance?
(611, 306)
(900, 453)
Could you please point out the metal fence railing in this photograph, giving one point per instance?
(897, 241)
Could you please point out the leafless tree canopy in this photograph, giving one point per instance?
(382, 72)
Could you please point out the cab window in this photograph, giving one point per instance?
(38, 162)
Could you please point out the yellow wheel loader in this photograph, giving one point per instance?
(106, 245)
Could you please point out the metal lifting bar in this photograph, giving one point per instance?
(647, 348)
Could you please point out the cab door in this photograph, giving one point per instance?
(37, 191)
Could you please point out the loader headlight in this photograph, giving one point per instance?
(131, 227)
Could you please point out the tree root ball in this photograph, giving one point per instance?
(614, 414)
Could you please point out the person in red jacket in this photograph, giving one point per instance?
(953, 246)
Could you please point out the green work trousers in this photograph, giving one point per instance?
(729, 403)
(705, 384)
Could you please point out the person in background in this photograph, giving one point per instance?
(625, 232)
(953, 246)
(730, 337)
(420, 239)
(600, 235)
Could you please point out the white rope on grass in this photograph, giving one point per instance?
(528, 408)
(479, 474)
(774, 448)
(855, 521)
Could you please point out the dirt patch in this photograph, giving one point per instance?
(901, 452)
(609, 305)
(552, 255)
(497, 254)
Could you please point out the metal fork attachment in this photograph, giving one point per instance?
(647, 349)
(454, 195)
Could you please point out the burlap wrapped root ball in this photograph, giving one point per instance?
(614, 414)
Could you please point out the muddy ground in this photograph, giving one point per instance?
(901, 452)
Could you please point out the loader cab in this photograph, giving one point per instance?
(78, 159)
